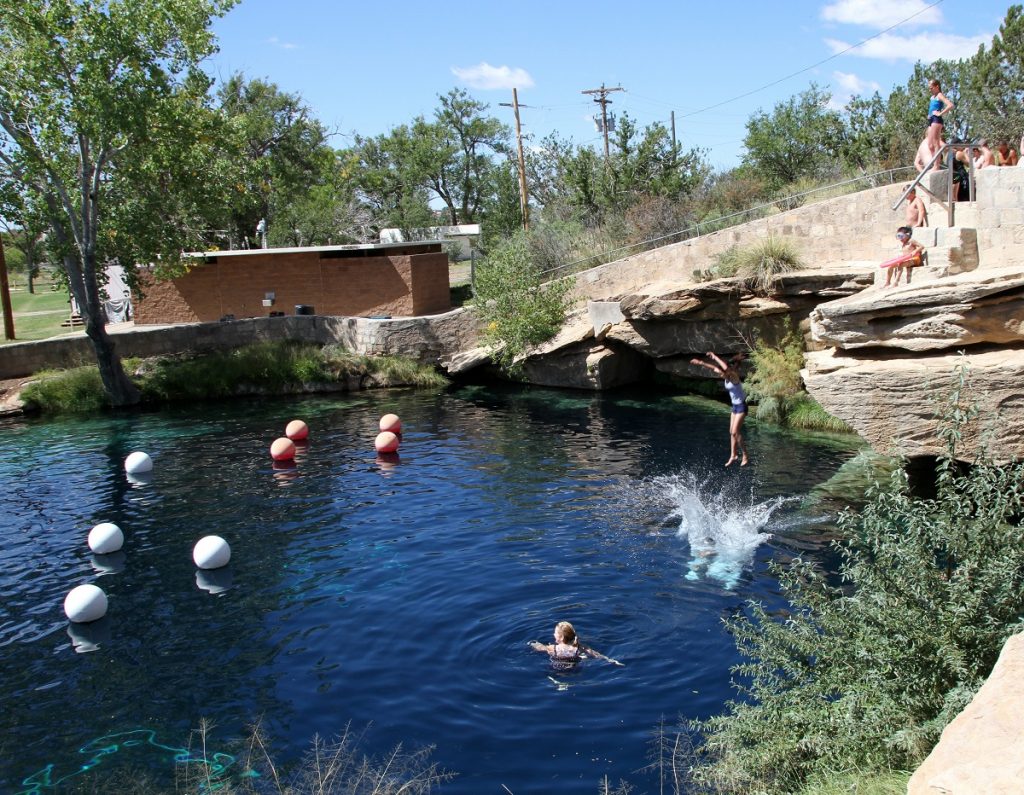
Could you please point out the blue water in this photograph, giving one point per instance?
(395, 596)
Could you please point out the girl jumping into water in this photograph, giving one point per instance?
(737, 397)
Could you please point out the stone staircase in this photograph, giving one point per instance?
(988, 232)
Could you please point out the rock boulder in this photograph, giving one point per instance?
(982, 750)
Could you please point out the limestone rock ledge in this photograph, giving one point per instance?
(985, 306)
(891, 402)
(982, 750)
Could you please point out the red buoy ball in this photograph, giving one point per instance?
(390, 422)
(282, 449)
(386, 442)
(296, 430)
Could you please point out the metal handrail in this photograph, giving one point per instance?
(950, 151)
(695, 229)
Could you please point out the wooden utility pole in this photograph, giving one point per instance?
(524, 197)
(5, 295)
(602, 98)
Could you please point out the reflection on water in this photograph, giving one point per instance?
(397, 592)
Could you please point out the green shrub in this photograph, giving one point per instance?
(74, 391)
(776, 369)
(518, 310)
(395, 370)
(863, 674)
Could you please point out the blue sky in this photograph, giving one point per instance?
(367, 67)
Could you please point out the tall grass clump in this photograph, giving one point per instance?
(330, 767)
(863, 674)
(760, 265)
(75, 391)
(267, 365)
(517, 308)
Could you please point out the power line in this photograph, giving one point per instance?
(805, 69)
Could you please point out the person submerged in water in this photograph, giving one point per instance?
(567, 650)
(738, 399)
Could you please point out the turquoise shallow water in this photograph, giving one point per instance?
(398, 595)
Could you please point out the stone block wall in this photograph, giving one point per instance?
(1000, 206)
(333, 282)
(425, 339)
(856, 227)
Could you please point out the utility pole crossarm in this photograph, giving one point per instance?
(602, 98)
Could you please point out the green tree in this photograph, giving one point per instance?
(98, 94)
(800, 138)
(278, 153)
(26, 229)
(457, 151)
(389, 180)
(517, 309)
(996, 81)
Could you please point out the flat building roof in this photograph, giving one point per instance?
(355, 249)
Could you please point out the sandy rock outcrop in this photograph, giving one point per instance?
(892, 401)
(616, 341)
(982, 750)
(967, 309)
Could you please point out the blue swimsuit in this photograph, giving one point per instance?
(934, 106)
(736, 396)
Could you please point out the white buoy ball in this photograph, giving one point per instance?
(85, 603)
(211, 552)
(106, 537)
(137, 463)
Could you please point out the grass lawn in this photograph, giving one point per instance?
(37, 327)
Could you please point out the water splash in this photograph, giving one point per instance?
(723, 527)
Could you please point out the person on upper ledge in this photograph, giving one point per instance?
(916, 212)
(938, 106)
(1005, 154)
(984, 157)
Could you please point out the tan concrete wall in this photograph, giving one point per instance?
(856, 227)
(354, 284)
(1000, 222)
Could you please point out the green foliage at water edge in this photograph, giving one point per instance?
(864, 674)
(517, 308)
(75, 391)
(270, 367)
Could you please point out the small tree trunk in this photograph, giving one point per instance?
(30, 272)
(120, 389)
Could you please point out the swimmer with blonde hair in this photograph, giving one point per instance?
(567, 650)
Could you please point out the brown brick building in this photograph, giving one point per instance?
(401, 279)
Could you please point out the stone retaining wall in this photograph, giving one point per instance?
(425, 339)
(859, 226)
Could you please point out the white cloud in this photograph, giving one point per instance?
(851, 86)
(881, 14)
(282, 45)
(924, 47)
(487, 77)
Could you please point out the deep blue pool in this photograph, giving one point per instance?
(395, 597)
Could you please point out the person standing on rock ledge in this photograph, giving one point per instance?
(737, 397)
